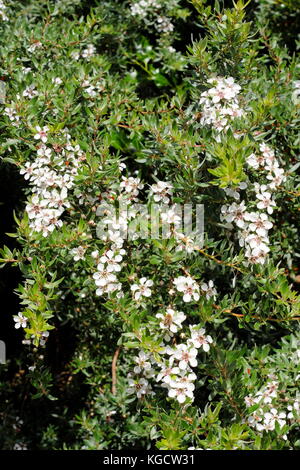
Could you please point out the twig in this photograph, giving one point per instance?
(114, 371)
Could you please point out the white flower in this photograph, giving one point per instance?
(44, 337)
(184, 242)
(258, 255)
(171, 320)
(161, 190)
(167, 372)
(11, 113)
(140, 386)
(259, 223)
(75, 55)
(143, 363)
(57, 81)
(235, 213)
(30, 92)
(186, 355)
(36, 207)
(111, 260)
(41, 133)
(184, 379)
(26, 70)
(188, 287)
(272, 417)
(21, 321)
(44, 151)
(122, 166)
(265, 201)
(108, 288)
(131, 185)
(142, 289)
(250, 401)
(209, 289)
(171, 217)
(78, 253)
(267, 152)
(257, 241)
(28, 170)
(103, 278)
(276, 178)
(56, 199)
(181, 394)
(199, 339)
(255, 161)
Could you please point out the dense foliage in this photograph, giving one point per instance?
(166, 342)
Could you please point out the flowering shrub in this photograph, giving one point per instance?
(152, 146)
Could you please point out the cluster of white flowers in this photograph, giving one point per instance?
(254, 225)
(171, 220)
(114, 235)
(3, 15)
(42, 335)
(88, 52)
(113, 227)
(143, 8)
(253, 231)
(108, 264)
(220, 103)
(52, 176)
(119, 227)
(267, 162)
(161, 191)
(265, 417)
(164, 25)
(191, 290)
(91, 90)
(11, 113)
(132, 187)
(185, 243)
(174, 368)
(138, 382)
